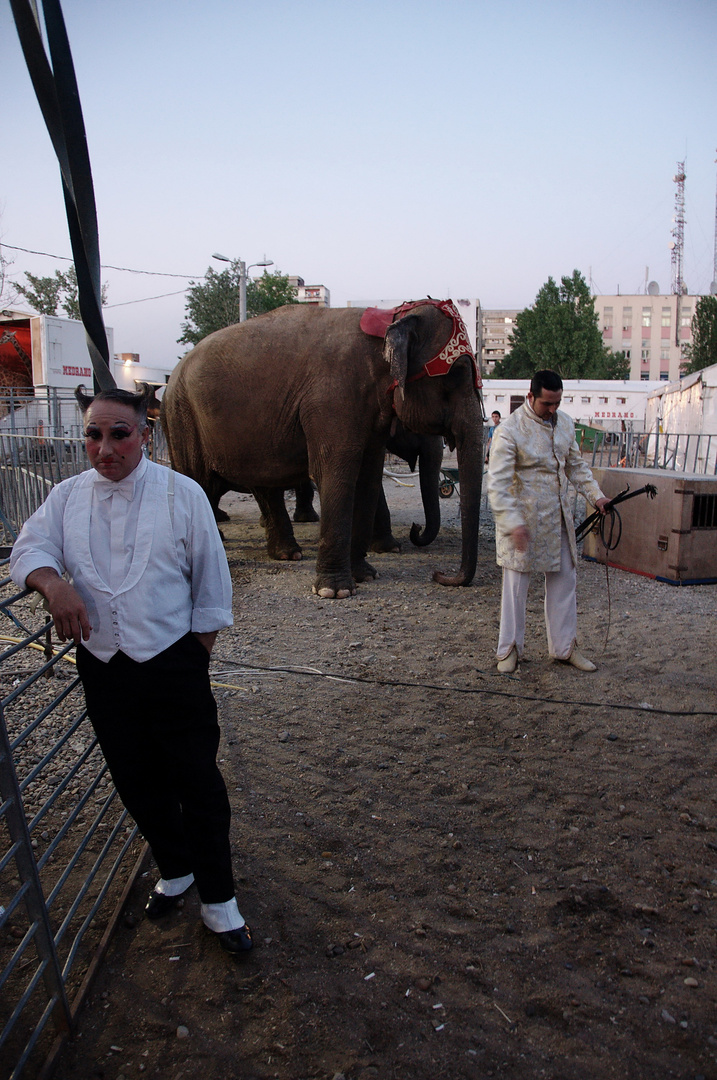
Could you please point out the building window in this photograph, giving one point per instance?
(644, 375)
(647, 316)
(568, 400)
(603, 400)
(664, 375)
(686, 317)
(585, 400)
(666, 316)
(646, 343)
(627, 318)
(628, 354)
(645, 356)
(607, 318)
(665, 353)
(622, 401)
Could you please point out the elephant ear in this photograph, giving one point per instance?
(398, 338)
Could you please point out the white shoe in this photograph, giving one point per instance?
(577, 660)
(509, 663)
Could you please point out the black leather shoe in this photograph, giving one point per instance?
(159, 904)
(236, 941)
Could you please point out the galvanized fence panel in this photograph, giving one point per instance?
(656, 450)
(68, 848)
(30, 465)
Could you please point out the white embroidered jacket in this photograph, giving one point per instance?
(531, 463)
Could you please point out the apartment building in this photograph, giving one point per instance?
(652, 330)
(497, 324)
(316, 295)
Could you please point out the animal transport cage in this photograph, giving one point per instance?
(672, 537)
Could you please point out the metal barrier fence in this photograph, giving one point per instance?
(32, 464)
(656, 450)
(68, 849)
(47, 411)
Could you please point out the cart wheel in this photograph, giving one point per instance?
(446, 489)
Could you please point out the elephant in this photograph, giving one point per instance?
(424, 450)
(305, 391)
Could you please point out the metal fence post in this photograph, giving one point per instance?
(30, 880)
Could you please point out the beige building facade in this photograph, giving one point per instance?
(651, 330)
(316, 295)
(497, 324)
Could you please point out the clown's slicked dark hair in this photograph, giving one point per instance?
(139, 402)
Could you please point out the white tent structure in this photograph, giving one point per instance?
(687, 411)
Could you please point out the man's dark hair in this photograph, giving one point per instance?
(139, 402)
(496, 412)
(545, 380)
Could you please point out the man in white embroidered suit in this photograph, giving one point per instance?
(150, 590)
(533, 458)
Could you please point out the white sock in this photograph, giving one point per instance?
(222, 917)
(174, 886)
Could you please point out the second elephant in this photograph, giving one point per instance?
(424, 450)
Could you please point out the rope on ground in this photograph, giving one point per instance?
(316, 673)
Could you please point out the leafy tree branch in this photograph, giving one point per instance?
(46, 294)
(213, 303)
(560, 332)
(702, 352)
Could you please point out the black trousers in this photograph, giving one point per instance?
(157, 725)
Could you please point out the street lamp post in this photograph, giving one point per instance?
(242, 278)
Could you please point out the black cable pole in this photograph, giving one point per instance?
(59, 100)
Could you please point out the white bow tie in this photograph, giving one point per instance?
(106, 488)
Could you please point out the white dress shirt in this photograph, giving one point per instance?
(149, 566)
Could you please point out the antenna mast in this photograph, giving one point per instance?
(677, 244)
(713, 287)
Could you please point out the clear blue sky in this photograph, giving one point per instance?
(384, 149)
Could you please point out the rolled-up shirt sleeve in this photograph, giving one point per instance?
(209, 571)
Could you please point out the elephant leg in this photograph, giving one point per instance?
(304, 510)
(215, 489)
(336, 483)
(280, 540)
(429, 468)
(383, 539)
(370, 483)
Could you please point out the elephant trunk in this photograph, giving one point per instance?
(429, 469)
(469, 448)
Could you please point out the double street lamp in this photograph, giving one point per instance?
(242, 278)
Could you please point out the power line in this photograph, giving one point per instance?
(161, 296)
(105, 266)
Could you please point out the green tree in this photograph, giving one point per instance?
(560, 332)
(213, 303)
(46, 294)
(8, 289)
(703, 350)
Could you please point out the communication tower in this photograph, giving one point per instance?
(713, 286)
(677, 243)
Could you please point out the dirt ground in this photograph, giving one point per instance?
(449, 873)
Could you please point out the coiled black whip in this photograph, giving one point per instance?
(609, 528)
(610, 523)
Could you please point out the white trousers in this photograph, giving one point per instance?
(561, 615)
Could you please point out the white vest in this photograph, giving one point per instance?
(117, 618)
